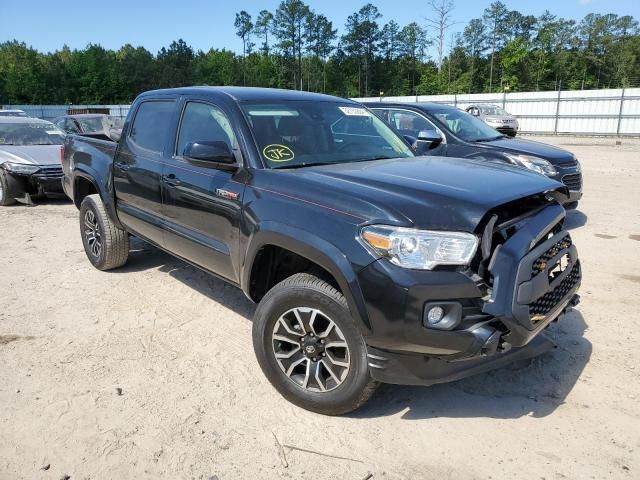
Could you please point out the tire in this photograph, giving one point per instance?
(5, 199)
(512, 134)
(106, 245)
(317, 383)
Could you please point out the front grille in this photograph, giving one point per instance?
(541, 262)
(570, 163)
(573, 181)
(545, 304)
(49, 172)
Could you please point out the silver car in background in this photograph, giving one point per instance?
(30, 153)
(13, 113)
(495, 117)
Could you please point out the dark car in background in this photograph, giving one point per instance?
(30, 154)
(96, 125)
(443, 130)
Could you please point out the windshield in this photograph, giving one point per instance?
(298, 133)
(463, 125)
(44, 133)
(91, 124)
(492, 110)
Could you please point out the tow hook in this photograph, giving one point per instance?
(575, 301)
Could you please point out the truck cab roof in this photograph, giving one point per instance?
(251, 94)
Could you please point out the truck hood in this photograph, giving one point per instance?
(555, 155)
(426, 192)
(31, 154)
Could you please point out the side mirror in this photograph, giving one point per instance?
(215, 152)
(411, 140)
(431, 136)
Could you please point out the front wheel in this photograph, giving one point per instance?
(106, 245)
(309, 348)
(5, 199)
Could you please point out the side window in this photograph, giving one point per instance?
(70, 126)
(409, 123)
(204, 123)
(151, 125)
(382, 114)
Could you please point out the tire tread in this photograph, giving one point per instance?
(313, 282)
(116, 240)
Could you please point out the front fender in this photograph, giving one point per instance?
(315, 249)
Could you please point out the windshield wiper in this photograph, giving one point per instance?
(490, 139)
(301, 165)
(317, 164)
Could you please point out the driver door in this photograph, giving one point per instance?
(202, 204)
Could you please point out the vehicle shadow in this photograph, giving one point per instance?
(143, 256)
(36, 202)
(534, 387)
(575, 219)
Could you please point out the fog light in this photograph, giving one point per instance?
(435, 315)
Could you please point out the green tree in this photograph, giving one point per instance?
(244, 27)
(264, 26)
(175, 65)
(495, 15)
(289, 28)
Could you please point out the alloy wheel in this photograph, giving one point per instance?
(311, 349)
(92, 233)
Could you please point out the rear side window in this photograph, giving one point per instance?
(151, 125)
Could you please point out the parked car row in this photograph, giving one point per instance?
(413, 245)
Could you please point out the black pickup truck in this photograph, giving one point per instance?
(369, 264)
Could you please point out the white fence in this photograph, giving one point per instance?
(51, 112)
(584, 112)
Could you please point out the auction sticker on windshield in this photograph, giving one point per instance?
(354, 111)
(278, 153)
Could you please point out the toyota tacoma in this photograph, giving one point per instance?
(369, 264)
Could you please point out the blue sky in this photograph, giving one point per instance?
(48, 25)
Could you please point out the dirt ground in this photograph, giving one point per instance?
(149, 372)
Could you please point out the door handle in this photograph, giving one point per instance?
(122, 165)
(171, 180)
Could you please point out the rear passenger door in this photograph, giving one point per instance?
(137, 169)
(202, 203)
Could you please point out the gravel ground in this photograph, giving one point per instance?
(148, 371)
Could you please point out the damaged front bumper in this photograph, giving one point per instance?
(535, 277)
(47, 181)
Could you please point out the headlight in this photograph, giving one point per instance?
(538, 165)
(420, 249)
(21, 167)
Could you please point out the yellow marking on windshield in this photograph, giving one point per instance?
(278, 153)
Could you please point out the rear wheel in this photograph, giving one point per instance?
(309, 348)
(106, 245)
(5, 199)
